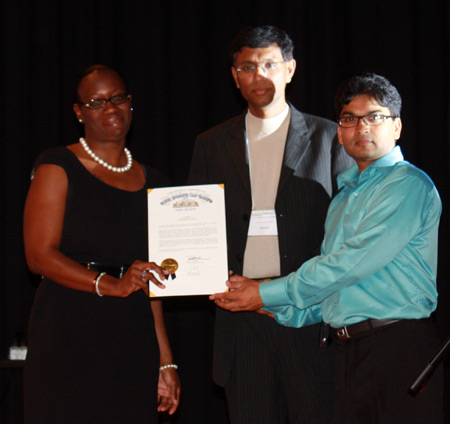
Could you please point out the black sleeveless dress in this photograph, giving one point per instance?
(94, 359)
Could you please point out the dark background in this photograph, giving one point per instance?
(173, 55)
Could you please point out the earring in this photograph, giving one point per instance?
(131, 109)
(80, 121)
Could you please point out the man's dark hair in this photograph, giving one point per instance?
(87, 71)
(261, 36)
(372, 85)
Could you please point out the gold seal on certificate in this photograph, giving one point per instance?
(170, 265)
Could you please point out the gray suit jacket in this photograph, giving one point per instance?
(312, 160)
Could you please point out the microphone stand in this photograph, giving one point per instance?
(419, 383)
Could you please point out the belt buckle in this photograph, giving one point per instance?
(342, 333)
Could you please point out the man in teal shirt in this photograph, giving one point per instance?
(375, 279)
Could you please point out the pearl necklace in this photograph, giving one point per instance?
(125, 168)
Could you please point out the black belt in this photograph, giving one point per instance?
(345, 333)
(113, 270)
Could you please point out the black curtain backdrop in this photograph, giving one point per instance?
(173, 55)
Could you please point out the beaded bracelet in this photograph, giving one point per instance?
(97, 280)
(164, 367)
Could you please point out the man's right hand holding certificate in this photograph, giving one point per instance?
(243, 295)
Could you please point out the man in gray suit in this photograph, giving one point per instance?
(279, 167)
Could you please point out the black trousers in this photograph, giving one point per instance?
(280, 375)
(375, 369)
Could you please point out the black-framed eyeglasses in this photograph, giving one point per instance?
(118, 99)
(266, 67)
(373, 119)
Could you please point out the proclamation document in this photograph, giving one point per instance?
(187, 237)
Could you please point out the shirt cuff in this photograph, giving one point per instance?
(274, 293)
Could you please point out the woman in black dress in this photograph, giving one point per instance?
(98, 349)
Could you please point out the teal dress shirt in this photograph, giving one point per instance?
(379, 254)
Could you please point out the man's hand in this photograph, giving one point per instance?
(243, 295)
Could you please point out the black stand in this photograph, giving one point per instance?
(420, 381)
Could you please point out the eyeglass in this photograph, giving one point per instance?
(118, 99)
(267, 66)
(372, 119)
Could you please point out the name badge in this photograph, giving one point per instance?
(263, 223)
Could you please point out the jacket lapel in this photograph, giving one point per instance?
(297, 143)
(237, 149)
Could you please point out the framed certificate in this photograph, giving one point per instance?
(187, 237)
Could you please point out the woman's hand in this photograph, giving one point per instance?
(168, 390)
(136, 278)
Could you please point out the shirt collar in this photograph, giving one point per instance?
(352, 175)
(394, 156)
